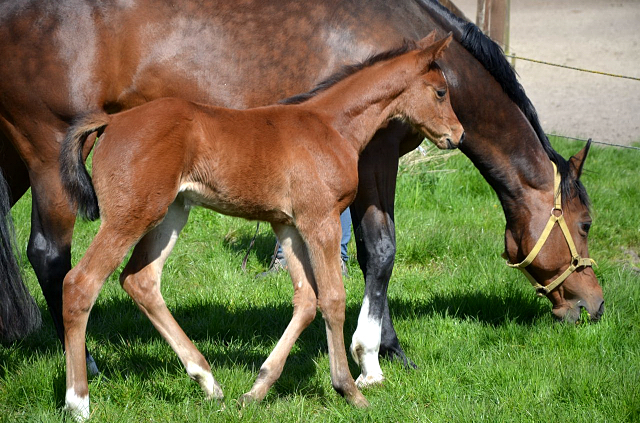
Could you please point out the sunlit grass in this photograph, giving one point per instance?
(486, 348)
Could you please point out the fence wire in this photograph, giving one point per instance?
(633, 78)
(513, 56)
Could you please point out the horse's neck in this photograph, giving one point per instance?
(358, 106)
(517, 168)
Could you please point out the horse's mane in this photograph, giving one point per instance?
(349, 70)
(492, 57)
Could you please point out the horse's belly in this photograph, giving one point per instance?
(251, 208)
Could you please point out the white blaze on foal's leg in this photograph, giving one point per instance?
(365, 346)
(77, 406)
(205, 380)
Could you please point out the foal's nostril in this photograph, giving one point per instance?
(450, 145)
(461, 139)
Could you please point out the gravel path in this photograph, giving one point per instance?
(600, 35)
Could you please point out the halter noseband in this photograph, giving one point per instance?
(576, 260)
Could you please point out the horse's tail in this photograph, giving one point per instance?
(75, 178)
(19, 314)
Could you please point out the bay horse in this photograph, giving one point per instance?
(66, 57)
(294, 165)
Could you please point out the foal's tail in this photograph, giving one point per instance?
(75, 178)
(19, 314)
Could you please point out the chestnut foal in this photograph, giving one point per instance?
(294, 165)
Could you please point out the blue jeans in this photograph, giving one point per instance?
(345, 222)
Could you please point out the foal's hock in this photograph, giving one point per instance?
(294, 165)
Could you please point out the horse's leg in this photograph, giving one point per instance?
(13, 168)
(374, 231)
(322, 237)
(304, 310)
(141, 280)
(80, 290)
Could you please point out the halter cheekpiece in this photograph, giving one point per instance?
(576, 260)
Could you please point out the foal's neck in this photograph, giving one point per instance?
(361, 104)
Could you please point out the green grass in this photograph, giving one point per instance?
(486, 348)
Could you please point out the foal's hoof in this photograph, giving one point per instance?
(247, 399)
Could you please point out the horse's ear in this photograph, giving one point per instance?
(427, 41)
(577, 161)
(435, 50)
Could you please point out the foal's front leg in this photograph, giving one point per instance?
(323, 242)
(141, 280)
(304, 310)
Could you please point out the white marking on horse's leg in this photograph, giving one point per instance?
(365, 346)
(206, 381)
(77, 406)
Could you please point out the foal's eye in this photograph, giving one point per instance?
(441, 93)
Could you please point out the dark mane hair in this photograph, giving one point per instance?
(492, 57)
(349, 70)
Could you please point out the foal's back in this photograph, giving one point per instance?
(244, 163)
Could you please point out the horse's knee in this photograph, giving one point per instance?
(78, 295)
(332, 304)
(380, 259)
(50, 261)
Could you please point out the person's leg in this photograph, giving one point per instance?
(280, 263)
(345, 221)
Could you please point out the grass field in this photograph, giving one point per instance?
(486, 348)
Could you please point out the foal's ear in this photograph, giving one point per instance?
(427, 41)
(434, 50)
(577, 161)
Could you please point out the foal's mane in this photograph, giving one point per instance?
(492, 57)
(349, 70)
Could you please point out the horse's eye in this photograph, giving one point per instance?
(441, 93)
(585, 226)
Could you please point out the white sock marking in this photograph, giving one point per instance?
(77, 406)
(365, 346)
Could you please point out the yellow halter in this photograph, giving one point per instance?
(576, 260)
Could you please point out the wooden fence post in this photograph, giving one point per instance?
(493, 19)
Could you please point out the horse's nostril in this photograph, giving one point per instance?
(450, 145)
(461, 139)
(598, 313)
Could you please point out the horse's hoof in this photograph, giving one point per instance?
(92, 367)
(358, 400)
(369, 380)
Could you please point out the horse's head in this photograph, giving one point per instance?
(425, 102)
(552, 249)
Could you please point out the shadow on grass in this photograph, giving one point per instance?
(118, 320)
(248, 331)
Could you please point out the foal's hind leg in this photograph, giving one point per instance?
(141, 280)
(80, 290)
(304, 310)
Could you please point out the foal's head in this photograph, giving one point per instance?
(425, 102)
